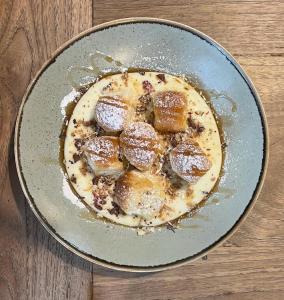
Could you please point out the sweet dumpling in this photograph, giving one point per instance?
(102, 155)
(170, 111)
(139, 145)
(140, 194)
(189, 161)
(112, 113)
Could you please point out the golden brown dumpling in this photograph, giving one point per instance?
(102, 154)
(170, 111)
(140, 194)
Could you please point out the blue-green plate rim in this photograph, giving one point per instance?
(180, 262)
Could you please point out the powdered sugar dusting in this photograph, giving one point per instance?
(103, 148)
(139, 143)
(141, 129)
(111, 114)
(170, 99)
(110, 117)
(140, 157)
(189, 161)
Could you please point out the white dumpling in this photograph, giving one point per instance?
(189, 161)
(112, 113)
(139, 145)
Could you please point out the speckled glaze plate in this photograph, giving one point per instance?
(157, 45)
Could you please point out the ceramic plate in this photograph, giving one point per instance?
(156, 45)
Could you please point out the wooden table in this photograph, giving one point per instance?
(250, 265)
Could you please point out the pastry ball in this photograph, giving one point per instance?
(102, 154)
(112, 113)
(140, 194)
(189, 161)
(139, 144)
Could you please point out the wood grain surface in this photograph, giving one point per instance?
(250, 265)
